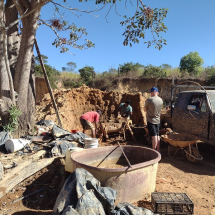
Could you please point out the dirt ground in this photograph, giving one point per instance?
(174, 175)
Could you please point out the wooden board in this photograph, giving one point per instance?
(22, 174)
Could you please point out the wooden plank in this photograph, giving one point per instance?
(37, 155)
(20, 166)
(24, 173)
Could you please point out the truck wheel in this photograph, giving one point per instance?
(194, 152)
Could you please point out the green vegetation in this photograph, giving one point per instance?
(190, 67)
(191, 64)
(130, 67)
(12, 124)
(70, 67)
(151, 71)
(52, 73)
(87, 73)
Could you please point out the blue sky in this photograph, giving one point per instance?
(190, 23)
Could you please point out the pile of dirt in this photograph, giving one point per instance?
(72, 103)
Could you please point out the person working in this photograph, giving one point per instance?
(126, 109)
(87, 119)
(152, 108)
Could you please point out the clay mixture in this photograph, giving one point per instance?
(174, 174)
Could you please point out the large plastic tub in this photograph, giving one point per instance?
(108, 165)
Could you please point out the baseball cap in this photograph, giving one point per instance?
(99, 112)
(154, 89)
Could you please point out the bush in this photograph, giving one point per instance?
(154, 72)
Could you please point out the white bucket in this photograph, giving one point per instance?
(13, 145)
(91, 143)
(68, 163)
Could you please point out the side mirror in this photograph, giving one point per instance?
(191, 107)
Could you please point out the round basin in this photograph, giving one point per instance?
(109, 166)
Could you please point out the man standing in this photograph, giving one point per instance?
(88, 118)
(152, 108)
(126, 109)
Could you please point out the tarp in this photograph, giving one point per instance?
(61, 134)
(61, 149)
(44, 122)
(78, 137)
(82, 194)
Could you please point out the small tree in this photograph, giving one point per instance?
(151, 71)
(191, 63)
(127, 67)
(70, 67)
(87, 73)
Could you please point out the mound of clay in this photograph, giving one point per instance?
(72, 103)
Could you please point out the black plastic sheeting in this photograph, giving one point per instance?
(62, 148)
(63, 138)
(78, 137)
(44, 122)
(4, 136)
(60, 133)
(83, 195)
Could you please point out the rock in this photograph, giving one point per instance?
(1, 171)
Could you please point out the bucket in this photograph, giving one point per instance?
(91, 143)
(74, 131)
(68, 162)
(13, 145)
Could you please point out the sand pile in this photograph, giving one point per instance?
(72, 103)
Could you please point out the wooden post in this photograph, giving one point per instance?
(48, 84)
(131, 132)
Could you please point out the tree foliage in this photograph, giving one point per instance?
(144, 19)
(129, 66)
(70, 67)
(151, 71)
(52, 73)
(87, 73)
(191, 63)
(210, 71)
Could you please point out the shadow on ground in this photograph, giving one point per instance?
(178, 160)
(50, 180)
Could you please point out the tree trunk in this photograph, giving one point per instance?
(12, 35)
(4, 82)
(5, 101)
(24, 80)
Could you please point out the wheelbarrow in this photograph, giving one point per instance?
(185, 143)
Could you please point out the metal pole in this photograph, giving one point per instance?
(48, 84)
(124, 154)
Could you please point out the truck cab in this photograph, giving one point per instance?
(194, 113)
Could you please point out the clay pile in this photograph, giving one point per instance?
(72, 103)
